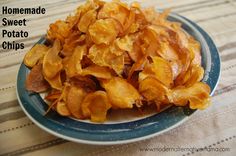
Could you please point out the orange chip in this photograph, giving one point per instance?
(98, 72)
(73, 64)
(197, 95)
(87, 19)
(58, 30)
(35, 54)
(52, 63)
(114, 10)
(102, 56)
(121, 93)
(96, 105)
(35, 80)
(55, 82)
(103, 31)
(62, 108)
(153, 90)
(74, 100)
(159, 69)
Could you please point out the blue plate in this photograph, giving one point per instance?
(126, 131)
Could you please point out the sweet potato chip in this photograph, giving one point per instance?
(159, 69)
(121, 93)
(153, 90)
(52, 63)
(58, 30)
(87, 19)
(197, 95)
(103, 31)
(114, 10)
(62, 109)
(73, 64)
(74, 100)
(35, 80)
(35, 54)
(72, 42)
(98, 72)
(96, 105)
(55, 82)
(102, 56)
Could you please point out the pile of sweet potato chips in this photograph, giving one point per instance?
(110, 55)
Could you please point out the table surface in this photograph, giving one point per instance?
(214, 127)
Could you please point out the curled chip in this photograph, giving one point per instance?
(103, 56)
(95, 105)
(35, 80)
(98, 72)
(35, 54)
(121, 93)
(74, 100)
(153, 90)
(103, 31)
(160, 69)
(52, 62)
(114, 55)
(73, 64)
(197, 96)
(62, 108)
(87, 19)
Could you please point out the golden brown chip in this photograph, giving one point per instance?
(52, 63)
(103, 31)
(35, 54)
(96, 105)
(73, 64)
(102, 56)
(114, 10)
(159, 69)
(74, 100)
(153, 90)
(98, 72)
(62, 109)
(58, 30)
(197, 95)
(55, 82)
(87, 19)
(121, 93)
(35, 80)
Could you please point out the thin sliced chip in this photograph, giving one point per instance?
(103, 31)
(35, 80)
(121, 93)
(196, 75)
(55, 82)
(52, 63)
(74, 100)
(125, 43)
(35, 54)
(197, 95)
(160, 69)
(73, 64)
(84, 82)
(153, 90)
(58, 31)
(98, 72)
(62, 109)
(87, 19)
(96, 105)
(72, 42)
(114, 10)
(102, 56)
